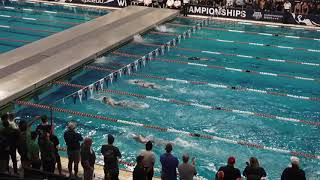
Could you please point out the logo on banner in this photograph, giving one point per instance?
(257, 15)
(121, 3)
(211, 11)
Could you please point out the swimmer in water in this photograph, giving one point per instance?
(145, 84)
(112, 102)
(193, 58)
(127, 104)
(144, 140)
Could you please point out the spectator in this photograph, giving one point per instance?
(4, 148)
(54, 139)
(139, 172)
(12, 136)
(304, 8)
(12, 122)
(43, 128)
(186, 170)
(149, 160)
(48, 157)
(253, 171)
(111, 155)
(33, 151)
(88, 158)
(169, 164)
(185, 7)
(297, 8)
(287, 6)
(230, 172)
(293, 172)
(72, 139)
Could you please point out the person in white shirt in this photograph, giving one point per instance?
(186, 170)
(287, 6)
(149, 160)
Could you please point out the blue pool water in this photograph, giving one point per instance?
(24, 22)
(210, 154)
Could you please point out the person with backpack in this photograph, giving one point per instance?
(111, 155)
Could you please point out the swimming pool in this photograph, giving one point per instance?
(252, 87)
(24, 22)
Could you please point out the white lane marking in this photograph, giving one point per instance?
(276, 60)
(303, 78)
(256, 44)
(294, 37)
(265, 34)
(269, 74)
(285, 47)
(201, 106)
(313, 50)
(26, 9)
(157, 98)
(257, 90)
(230, 30)
(1, 15)
(211, 52)
(8, 7)
(4, 26)
(217, 85)
(26, 18)
(234, 69)
(177, 80)
(196, 64)
(222, 40)
(244, 56)
(312, 64)
(298, 97)
(52, 12)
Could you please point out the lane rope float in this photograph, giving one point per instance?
(223, 86)
(242, 42)
(216, 67)
(248, 32)
(172, 130)
(202, 106)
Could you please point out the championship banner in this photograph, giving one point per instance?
(253, 14)
(112, 3)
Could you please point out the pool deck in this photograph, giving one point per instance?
(29, 67)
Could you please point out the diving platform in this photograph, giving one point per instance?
(29, 67)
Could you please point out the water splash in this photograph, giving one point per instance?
(163, 28)
(138, 38)
(102, 60)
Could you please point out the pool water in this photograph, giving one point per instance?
(210, 154)
(24, 22)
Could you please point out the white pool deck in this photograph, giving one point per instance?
(27, 68)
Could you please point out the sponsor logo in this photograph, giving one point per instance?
(217, 11)
(257, 15)
(121, 3)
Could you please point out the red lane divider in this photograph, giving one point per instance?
(245, 32)
(204, 136)
(216, 67)
(239, 42)
(236, 88)
(186, 103)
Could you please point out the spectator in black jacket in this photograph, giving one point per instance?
(139, 172)
(111, 155)
(230, 172)
(294, 172)
(253, 171)
(72, 139)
